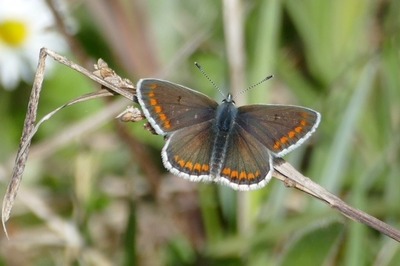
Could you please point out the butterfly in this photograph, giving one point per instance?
(211, 142)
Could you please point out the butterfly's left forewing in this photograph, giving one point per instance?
(169, 106)
(280, 128)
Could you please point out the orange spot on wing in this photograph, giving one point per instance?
(284, 140)
(298, 129)
(205, 167)
(234, 174)
(151, 94)
(181, 163)
(197, 167)
(257, 174)
(167, 124)
(243, 175)
(226, 171)
(277, 145)
(250, 176)
(292, 134)
(157, 109)
(303, 123)
(189, 165)
(153, 102)
(163, 117)
(153, 86)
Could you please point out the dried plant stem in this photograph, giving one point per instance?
(292, 178)
(30, 127)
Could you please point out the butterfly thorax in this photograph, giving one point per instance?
(225, 115)
(224, 123)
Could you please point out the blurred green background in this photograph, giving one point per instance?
(99, 195)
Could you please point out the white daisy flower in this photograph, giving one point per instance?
(25, 27)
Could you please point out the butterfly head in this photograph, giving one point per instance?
(229, 99)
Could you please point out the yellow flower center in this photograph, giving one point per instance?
(13, 32)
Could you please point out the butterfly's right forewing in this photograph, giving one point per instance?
(170, 107)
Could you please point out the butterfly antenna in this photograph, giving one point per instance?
(255, 85)
(207, 77)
